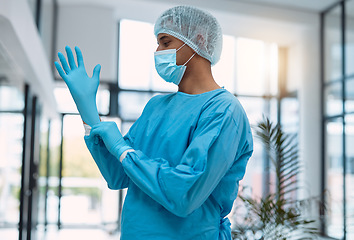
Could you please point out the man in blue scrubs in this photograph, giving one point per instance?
(182, 160)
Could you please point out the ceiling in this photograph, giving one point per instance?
(303, 5)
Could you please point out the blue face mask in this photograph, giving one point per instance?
(166, 67)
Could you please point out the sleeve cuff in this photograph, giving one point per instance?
(124, 154)
(87, 129)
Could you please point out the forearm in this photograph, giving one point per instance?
(88, 111)
(155, 177)
(87, 126)
(110, 168)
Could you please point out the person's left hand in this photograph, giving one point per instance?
(83, 89)
(111, 136)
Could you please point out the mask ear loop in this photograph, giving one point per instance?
(189, 59)
(180, 47)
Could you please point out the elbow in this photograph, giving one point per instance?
(116, 187)
(110, 183)
(117, 184)
(112, 186)
(182, 210)
(182, 213)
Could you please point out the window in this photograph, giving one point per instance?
(338, 82)
(137, 44)
(11, 149)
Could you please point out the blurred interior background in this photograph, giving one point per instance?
(292, 61)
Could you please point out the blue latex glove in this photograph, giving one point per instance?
(83, 89)
(111, 136)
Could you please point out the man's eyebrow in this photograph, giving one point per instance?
(161, 38)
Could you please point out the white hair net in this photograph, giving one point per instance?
(197, 28)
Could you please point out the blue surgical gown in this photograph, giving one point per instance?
(190, 153)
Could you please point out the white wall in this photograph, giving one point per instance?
(94, 29)
(46, 28)
(20, 39)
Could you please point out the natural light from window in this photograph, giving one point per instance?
(246, 66)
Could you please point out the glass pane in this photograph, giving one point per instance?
(272, 107)
(52, 195)
(102, 100)
(333, 102)
(131, 104)
(349, 95)
(252, 183)
(273, 68)
(53, 165)
(290, 115)
(224, 70)
(11, 99)
(11, 148)
(84, 190)
(332, 39)
(66, 103)
(42, 176)
(158, 84)
(42, 169)
(136, 58)
(64, 100)
(254, 107)
(349, 138)
(125, 127)
(349, 34)
(334, 163)
(250, 67)
(11, 133)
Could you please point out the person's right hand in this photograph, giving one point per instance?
(83, 89)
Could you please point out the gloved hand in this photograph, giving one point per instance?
(83, 89)
(111, 136)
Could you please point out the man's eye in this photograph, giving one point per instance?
(166, 44)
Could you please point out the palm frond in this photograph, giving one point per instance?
(275, 215)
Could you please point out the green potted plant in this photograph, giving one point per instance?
(276, 215)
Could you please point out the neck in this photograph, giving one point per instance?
(197, 78)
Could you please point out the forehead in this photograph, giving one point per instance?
(163, 36)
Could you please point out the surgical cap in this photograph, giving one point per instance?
(197, 28)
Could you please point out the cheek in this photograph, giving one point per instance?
(183, 57)
(179, 59)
